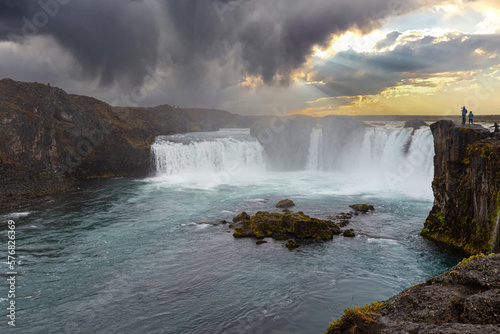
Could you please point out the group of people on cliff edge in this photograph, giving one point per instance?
(471, 119)
(464, 114)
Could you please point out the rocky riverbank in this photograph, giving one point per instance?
(465, 299)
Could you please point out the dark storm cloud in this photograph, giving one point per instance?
(116, 40)
(351, 73)
(272, 38)
(113, 40)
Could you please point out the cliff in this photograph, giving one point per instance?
(466, 188)
(465, 299)
(49, 140)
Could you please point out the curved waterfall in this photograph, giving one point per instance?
(390, 153)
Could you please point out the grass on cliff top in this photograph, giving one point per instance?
(474, 257)
(353, 318)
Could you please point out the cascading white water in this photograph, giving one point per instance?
(401, 152)
(387, 156)
(207, 152)
(314, 155)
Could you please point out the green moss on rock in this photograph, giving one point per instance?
(292, 244)
(363, 208)
(349, 233)
(284, 225)
(285, 204)
(355, 320)
(466, 188)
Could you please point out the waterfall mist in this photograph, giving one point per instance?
(376, 155)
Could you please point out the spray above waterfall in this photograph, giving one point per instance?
(388, 155)
(218, 155)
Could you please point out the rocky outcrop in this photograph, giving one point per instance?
(466, 188)
(50, 139)
(465, 299)
(285, 204)
(282, 226)
(363, 208)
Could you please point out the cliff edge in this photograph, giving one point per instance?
(466, 188)
(50, 140)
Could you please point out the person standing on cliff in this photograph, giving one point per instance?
(464, 113)
(497, 127)
(471, 118)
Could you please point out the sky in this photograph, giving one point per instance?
(260, 57)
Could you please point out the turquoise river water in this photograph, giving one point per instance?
(144, 255)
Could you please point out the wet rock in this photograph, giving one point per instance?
(349, 233)
(285, 204)
(285, 225)
(292, 244)
(363, 208)
(260, 242)
(224, 222)
(241, 217)
(243, 232)
(343, 222)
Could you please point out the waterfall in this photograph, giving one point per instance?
(403, 152)
(314, 153)
(386, 156)
(226, 150)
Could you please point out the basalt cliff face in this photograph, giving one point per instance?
(50, 139)
(466, 188)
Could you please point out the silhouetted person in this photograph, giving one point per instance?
(471, 118)
(464, 113)
(497, 127)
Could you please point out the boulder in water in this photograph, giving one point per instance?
(349, 233)
(260, 242)
(292, 244)
(285, 204)
(363, 208)
(285, 225)
(242, 216)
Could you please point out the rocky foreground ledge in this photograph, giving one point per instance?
(465, 299)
